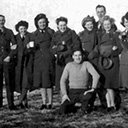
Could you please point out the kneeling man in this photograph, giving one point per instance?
(77, 74)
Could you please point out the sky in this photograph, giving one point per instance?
(74, 10)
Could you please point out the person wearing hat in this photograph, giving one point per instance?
(64, 40)
(124, 54)
(77, 73)
(24, 67)
(88, 37)
(7, 66)
(44, 60)
(108, 50)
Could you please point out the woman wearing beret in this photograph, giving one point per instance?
(24, 68)
(64, 40)
(124, 54)
(44, 60)
(109, 47)
(88, 36)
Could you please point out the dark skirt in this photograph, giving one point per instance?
(111, 76)
(44, 71)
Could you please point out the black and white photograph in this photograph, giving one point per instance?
(63, 64)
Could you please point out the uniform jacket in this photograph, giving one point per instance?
(24, 67)
(6, 40)
(71, 41)
(44, 60)
(111, 75)
(124, 54)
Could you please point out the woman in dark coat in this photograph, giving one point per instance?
(24, 68)
(108, 50)
(124, 54)
(44, 60)
(64, 40)
(88, 37)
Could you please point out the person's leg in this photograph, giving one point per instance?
(69, 106)
(108, 100)
(23, 98)
(118, 99)
(102, 96)
(50, 97)
(112, 99)
(66, 107)
(44, 98)
(9, 82)
(1, 86)
(85, 101)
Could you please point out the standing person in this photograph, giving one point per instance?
(77, 73)
(44, 60)
(109, 49)
(101, 12)
(124, 54)
(64, 40)
(7, 52)
(24, 68)
(88, 37)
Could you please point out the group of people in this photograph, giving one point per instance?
(80, 66)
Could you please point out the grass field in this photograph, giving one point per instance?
(35, 118)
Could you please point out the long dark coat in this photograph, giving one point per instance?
(89, 41)
(44, 60)
(124, 63)
(71, 41)
(24, 67)
(111, 76)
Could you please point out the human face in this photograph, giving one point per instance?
(22, 30)
(107, 25)
(77, 57)
(89, 25)
(2, 21)
(126, 23)
(100, 13)
(42, 24)
(62, 26)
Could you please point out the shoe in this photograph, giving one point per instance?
(49, 106)
(20, 105)
(43, 107)
(26, 105)
(111, 109)
(13, 108)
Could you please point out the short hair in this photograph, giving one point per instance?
(77, 49)
(21, 23)
(124, 17)
(40, 16)
(101, 6)
(2, 16)
(61, 19)
(106, 17)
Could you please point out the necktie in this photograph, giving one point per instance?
(23, 38)
(0, 32)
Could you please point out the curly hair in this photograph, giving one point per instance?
(40, 16)
(21, 23)
(112, 20)
(87, 19)
(61, 19)
(122, 19)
